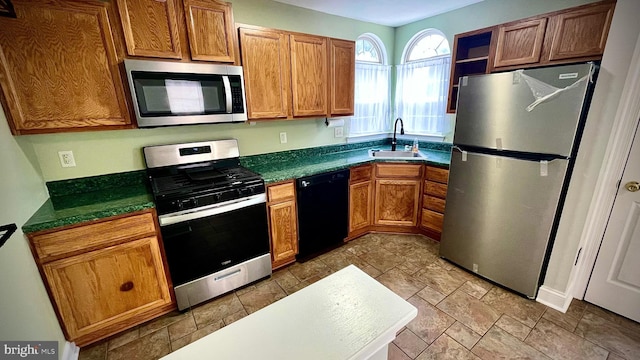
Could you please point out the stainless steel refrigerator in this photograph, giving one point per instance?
(516, 138)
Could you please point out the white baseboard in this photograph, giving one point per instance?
(70, 352)
(554, 299)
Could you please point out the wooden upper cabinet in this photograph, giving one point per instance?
(266, 65)
(520, 43)
(580, 33)
(211, 30)
(342, 63)
(52, 78)
(309, 75)
(150, 28)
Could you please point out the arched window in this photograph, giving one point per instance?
(426, 44)
(369, 50)
(422, 83)
(372, 88)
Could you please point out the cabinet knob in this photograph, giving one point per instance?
(126, 286)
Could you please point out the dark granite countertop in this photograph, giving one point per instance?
(286, 169)
(78, 200)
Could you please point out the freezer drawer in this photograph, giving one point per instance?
(499, 216)
(492, 110)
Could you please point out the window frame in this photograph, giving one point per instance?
(415, 39)
(378, 45)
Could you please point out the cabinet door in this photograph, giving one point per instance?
(150, 28)
(397, 202)
(580, 33)
(309, 75)
(210, 28)
(520, 43)
(360, 205)
(82, 88)
(266, 65)
(342, 85)
(284, 233)
(101, 288)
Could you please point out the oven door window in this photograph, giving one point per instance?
(167, 94)
(200, 247)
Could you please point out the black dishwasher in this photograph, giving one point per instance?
(323, 212)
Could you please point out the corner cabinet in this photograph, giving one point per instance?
(283, 223)
(155, 28)
(83, 89)
(106, 276)
(397, 194)
(433, 201)
(360, 200)
(291, 75)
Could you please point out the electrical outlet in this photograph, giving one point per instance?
(338, 132)
(66, 158)
(283, 138)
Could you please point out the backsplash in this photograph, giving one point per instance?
(96, 183)
(293, 155)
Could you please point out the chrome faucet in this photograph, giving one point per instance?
(394, 142)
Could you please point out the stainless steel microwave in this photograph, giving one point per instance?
(172, 93)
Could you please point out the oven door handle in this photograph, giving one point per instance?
(216, 209)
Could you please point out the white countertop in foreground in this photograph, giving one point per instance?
(347, 315)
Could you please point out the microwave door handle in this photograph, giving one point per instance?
(227, 92)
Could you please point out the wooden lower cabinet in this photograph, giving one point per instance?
(360, 200)
(283, 223)
(397, 202)
(360, 205)
(119, 283)
(397, 196)
(433, 201)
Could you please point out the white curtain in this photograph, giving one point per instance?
(421, 95)
(372, 99)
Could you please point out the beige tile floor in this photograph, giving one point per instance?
(459, 315)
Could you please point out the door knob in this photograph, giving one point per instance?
(632, 186)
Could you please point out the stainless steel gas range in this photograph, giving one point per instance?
(213, 218)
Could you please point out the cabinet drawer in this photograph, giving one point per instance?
(360, 173)
(437, 174)
(399, 170)
(432, 220)
(436, 189)
(92, 236)
(281, 192)
(433, 203)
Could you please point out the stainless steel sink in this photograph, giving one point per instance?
(398, 154)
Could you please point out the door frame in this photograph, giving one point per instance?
(617, 152)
